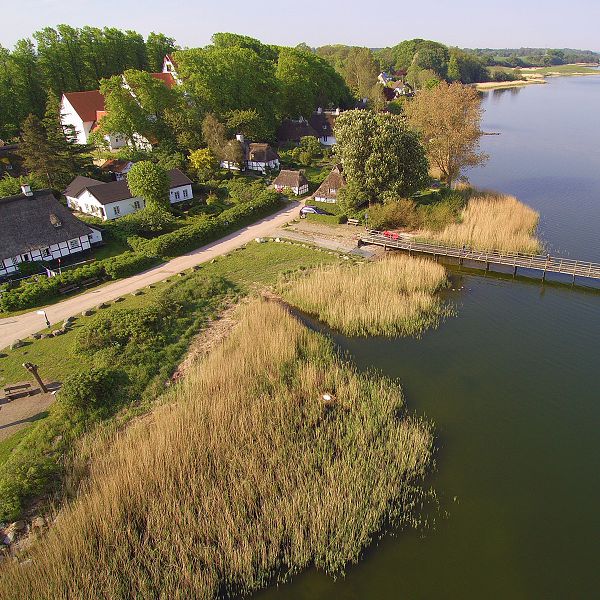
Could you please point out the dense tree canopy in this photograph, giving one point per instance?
(380, 155)
(307, 81)
(222, 79)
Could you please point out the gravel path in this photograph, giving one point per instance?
(22, 326)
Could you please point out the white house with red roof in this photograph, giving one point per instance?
(84, 110)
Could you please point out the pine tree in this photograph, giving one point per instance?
(71, 158)
(36, 151)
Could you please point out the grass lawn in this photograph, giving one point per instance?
(7, 445)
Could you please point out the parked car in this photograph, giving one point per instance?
(312, 210)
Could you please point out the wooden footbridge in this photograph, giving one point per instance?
(543, 264)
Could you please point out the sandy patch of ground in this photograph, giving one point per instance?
(497, 85)
(206, 340)
(16, 414)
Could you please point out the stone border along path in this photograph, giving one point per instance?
(26, 324)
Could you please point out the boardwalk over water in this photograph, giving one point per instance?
(543, 264)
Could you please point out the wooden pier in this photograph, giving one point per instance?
(543, 264)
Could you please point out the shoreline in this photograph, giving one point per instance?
(535, 75)
(498, 85)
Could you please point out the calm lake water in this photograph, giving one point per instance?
(513, 386)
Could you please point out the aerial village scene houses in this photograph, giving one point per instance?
(328, 190)
(112, 200)
(257, 157)
(37, 227)
(294, 181)
(81, 112)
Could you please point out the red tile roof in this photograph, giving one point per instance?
(166, 78)
(86, 104)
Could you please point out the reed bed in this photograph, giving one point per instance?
(493, 222)
(247, 476)
(394, 296)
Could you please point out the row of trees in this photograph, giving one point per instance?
(533, 57)
(66, 59)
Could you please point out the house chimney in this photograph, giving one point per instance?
(26, 189)
(239, 137)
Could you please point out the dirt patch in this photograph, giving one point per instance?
(340, 238)
(18, 413)
(207, 339)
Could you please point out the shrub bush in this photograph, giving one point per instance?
(206, 230)
(93, 390)
(127, 264)
(40, 290)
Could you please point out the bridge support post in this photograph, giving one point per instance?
(515, 271)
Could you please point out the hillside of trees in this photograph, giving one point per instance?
(533, 57)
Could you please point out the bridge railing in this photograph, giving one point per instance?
(519, 259)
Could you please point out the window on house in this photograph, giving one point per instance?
(185, 193)
(74, 244)
(137, 205)
(116, 210)
(26, 257)
(45, 252)
(177, 195)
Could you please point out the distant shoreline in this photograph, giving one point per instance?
(497, 85)
(535, 75)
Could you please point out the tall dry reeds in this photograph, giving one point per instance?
(247, 475)
(393, 296)
(493, 222)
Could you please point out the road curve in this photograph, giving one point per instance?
(22, 326)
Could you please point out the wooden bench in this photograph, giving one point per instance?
(14, 392)
(68, 288)
(354, 222)
(13, 388)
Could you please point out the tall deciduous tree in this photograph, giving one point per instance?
(157, 46)
(380, 155)
(448, 117)
(307, 81)
(150, 182)
(360, 71)
(222, 79)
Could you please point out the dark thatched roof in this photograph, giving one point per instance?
(260, 152)
(331, 184)
(114, 191)
(323, 123)
(291, 179)
(294, 131)
(34, 222)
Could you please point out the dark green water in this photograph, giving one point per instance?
(513, 386)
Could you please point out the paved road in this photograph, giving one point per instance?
(22, 326)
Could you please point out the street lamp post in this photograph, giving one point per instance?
(43, 313)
